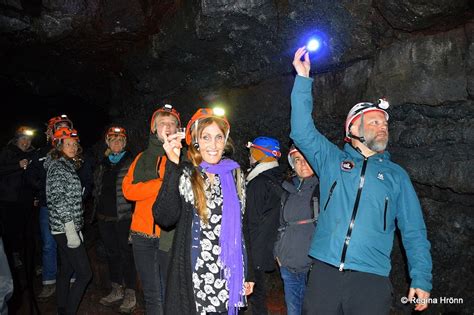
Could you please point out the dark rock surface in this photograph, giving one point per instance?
(118, 60)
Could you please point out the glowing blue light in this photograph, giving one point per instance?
(313, 45)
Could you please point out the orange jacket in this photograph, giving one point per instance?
(144, 194)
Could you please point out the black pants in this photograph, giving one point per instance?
(71, 260)
(152, 267)
(114, 235)
(331, 291)
(16, 219)
(258, 299)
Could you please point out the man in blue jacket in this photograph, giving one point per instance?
(363, 193)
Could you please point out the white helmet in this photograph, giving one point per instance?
(293, 150)
(361, 108)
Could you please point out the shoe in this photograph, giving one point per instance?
(17, 263)
(47, 291)
(114, 296)
(129, 302)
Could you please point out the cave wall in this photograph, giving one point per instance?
(129, 57)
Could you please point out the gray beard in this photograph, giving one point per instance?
(376, 146)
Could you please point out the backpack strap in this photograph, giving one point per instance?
(314, 204)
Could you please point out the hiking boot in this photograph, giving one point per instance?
(47, 291)
(129, 302)
(114, 296)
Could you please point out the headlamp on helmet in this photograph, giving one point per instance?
(64, 133)
(362, 108)
(203, 113)
(167, 108)
(116, 132)
(59, 121)
(24, 131)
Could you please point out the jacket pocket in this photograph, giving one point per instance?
(330, 195)
(385, 214)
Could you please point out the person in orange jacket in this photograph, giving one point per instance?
(142, 183)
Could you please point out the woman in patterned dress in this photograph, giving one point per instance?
(210, 269)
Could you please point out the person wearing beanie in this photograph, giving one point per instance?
(263, 208)
(150, 243)
(114, 215)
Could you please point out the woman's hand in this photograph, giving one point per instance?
(302, 67)
(172, 146)
(248, 287)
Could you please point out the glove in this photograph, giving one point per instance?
(73, 240)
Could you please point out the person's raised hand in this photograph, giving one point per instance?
(172, 146)
(302, 67)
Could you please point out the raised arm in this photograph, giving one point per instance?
(316, 147)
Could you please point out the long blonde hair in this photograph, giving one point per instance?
(194, 155)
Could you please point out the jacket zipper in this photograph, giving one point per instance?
(354, 213)
(385, 214)
(330, 194)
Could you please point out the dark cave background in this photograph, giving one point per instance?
(116, 61)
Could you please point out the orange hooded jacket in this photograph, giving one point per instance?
(144, 194)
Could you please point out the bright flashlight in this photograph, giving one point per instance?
(29, 132)
(313, 45)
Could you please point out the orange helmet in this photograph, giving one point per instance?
(64, 133)
(202, 113)
(54, 122)
(116, 132)
(24, 131)
(167, 108)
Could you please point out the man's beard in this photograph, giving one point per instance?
(375, 144)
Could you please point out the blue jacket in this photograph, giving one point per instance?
(360, 200)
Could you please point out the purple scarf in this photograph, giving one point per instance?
(231, 231)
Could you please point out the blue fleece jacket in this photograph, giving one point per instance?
(386, 195)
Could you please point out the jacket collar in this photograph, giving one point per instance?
(354, 153)
(260, 168)
(293, 184)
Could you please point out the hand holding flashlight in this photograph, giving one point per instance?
(302, 67)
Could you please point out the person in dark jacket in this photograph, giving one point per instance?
(210, 271)
(48, 249)
(16, 194)
(298, 216)
(114, 214)
(64, 198)
(263, 208)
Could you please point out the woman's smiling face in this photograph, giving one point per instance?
(211, 143)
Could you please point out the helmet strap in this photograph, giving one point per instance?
(361, 138)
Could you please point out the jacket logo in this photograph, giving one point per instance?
(347, 166)
(380, 176)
